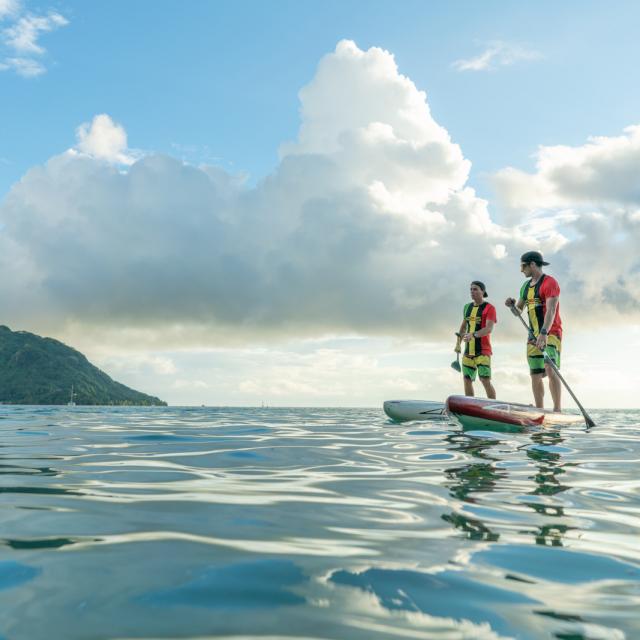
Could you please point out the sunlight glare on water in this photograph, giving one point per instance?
(314, 524)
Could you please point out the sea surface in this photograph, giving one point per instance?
(315, 524)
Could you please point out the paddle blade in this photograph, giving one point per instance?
(456, 365)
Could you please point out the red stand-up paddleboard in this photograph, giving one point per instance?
(482, 413)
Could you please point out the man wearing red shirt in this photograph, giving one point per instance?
(541, 295)
(477, 323)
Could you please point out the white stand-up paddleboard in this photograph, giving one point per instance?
(404, 410)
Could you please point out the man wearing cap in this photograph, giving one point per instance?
(541, 295)
(478, 321)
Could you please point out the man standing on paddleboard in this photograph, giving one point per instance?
(541, 295)
(478, 321)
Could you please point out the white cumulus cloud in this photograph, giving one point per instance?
(590, 196)
(20, 40)
(604, 170)
(104, 139)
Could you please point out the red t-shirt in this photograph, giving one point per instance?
(484, 342)
(549, 288)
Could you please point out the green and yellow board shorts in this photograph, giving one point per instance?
(476, 364)
(535, 357)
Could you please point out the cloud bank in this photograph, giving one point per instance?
(368, 226)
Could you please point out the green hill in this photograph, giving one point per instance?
(36, 370)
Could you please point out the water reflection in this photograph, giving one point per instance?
(466, 481)
(446, 594)
(40, 543)
(487, 473)
(16, 470)
(45, 491)
(546, 454)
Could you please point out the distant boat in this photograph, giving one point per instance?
(71, 402)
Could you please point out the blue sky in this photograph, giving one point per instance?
(218, 81)
(334, 273)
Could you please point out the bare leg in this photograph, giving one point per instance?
(468, 387)
(538, 389)
(488, 387)
(555, 386)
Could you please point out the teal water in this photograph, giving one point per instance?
(317, 524)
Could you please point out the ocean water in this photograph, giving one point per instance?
(314, 523)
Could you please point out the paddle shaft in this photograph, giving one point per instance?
(547, 359)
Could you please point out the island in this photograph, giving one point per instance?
(37, 370)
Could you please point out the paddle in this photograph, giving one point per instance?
(456, 363)
(548, 360)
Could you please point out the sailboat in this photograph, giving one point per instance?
(71, 402)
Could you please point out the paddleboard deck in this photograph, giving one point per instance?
(484, 413)
(405, 410)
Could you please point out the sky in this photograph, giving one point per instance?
(284, 203)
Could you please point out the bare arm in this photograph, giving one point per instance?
(485, 331)
(549, 316)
